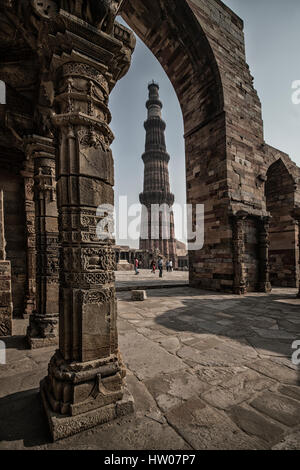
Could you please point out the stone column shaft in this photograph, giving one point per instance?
(264, 244)
(43, 325)
(85, 384)
(28, 178)
(239, 253)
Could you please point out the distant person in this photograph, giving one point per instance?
(136, 266)
(170, 265)
(160, 267)
(153, 266)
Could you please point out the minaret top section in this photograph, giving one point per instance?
(154, 105)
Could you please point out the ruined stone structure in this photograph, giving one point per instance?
(157, 227)
(60, 61)
(282, 197)
(5, 280)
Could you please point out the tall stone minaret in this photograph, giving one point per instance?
(156, 183)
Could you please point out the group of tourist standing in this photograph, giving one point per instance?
(159, 265)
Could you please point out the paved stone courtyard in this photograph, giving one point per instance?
(129, 280)
(207, 371)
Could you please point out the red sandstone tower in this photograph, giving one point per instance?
(157, 228)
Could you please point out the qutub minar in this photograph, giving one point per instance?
(157, 235)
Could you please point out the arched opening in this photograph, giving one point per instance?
(194, 74)
(130, 107)
(284, 246)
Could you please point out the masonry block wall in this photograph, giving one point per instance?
(284, 236)
(15, 226)
(226, 156)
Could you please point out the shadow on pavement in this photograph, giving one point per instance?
(23, 419)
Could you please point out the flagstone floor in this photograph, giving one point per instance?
(207, 371)
(129, 280)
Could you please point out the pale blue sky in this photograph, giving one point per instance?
(272, 42)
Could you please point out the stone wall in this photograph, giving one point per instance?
(284, 236)
(15, 225)
(226, 156)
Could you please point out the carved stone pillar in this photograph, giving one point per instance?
(28, 178)
(264, 244)
(43, 323)
(238, 238)
(6, 307)
(85, 384)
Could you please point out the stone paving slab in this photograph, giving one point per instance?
(199, 382)
(283, 409)
(128, 280)
(205, 428)
(255, 424)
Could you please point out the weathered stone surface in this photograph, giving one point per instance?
(290, 442)
(264, 347)
(237, 390)
(166, 388)
(205, 428)
(43, 323)
(290, 391)
(161, 361)
(138, 295)
(65, 426)
(278, 407)
(169, 344)
(255, 424)
(157, 396)
(275, 371)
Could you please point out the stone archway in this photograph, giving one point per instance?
(201, 48)
(74, 62)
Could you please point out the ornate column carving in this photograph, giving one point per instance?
(6, 307)
(85, 384)
(43, 323)
(28, 178)
(238, 238)
(264, 244)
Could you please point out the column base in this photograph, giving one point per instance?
(240, 290)
(29, 308)
(42, 331)
(62, 426)
(36, 343)
(265, 287)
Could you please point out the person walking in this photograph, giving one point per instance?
(168, 265)
(171, 266)
(160, 267)
(136, 266)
